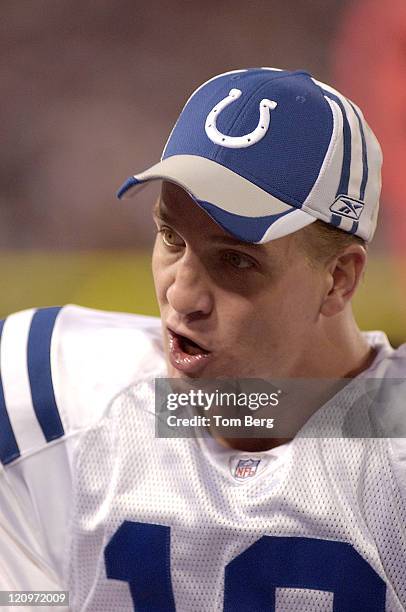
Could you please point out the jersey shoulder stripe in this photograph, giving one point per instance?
(39, 372)
(61, 367)
(28, 408)
(8, 444)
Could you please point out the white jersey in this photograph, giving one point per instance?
(92, 502)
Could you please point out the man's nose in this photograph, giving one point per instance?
(190, 293)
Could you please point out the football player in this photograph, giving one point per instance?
(270, 192)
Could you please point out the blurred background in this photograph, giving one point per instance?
(90, 91)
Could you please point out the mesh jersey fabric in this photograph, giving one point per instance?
(337, 490)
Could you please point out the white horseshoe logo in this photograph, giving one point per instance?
(238, 142)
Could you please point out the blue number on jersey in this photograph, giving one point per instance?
(139, 553)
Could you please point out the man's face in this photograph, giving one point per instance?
(231, 309)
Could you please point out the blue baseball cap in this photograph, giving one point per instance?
(266, 152)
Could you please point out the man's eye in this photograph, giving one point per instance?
(170, 237)
(239, 260)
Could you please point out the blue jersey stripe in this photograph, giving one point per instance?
(39, 372)
(346, 167)
(8, 444)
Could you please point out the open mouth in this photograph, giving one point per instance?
(185, 354)
(190, 347)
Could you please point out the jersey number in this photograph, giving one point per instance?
(139, 553)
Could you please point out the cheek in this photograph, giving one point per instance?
(246, 324)
(286, 313)
(299, 301)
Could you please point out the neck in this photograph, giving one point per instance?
(342, 352)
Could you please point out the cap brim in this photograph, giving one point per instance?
(241, 208)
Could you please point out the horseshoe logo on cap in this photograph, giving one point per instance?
(239, 142)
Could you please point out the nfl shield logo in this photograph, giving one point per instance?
(246, 468)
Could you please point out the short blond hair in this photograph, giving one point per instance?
(322, 242)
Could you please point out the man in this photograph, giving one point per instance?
(270, 192)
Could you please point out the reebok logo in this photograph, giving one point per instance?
(347, 207)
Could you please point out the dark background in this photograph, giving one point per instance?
(90, 91)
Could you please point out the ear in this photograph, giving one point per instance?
(344, 274)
